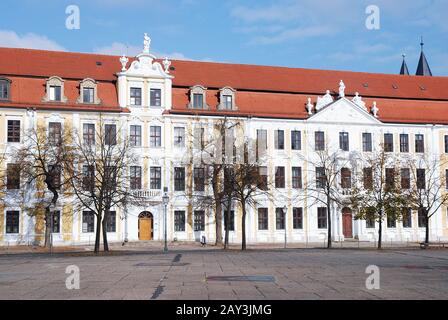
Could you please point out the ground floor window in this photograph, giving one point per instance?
(231, 222)
(111, 224)
(421, 218)
(263, 219)
(407, 218)
(12, 221)
(199, 220)
(297, 218)
(56, 221)
(179, 220)
(322, 218)
(279, 219)
(88, 221)
(391, 222)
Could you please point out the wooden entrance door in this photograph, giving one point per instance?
(347, 223)
(145, 226)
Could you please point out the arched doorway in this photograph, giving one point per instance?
(347, 223)
(145, 226)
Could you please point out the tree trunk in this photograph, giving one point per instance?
(329, 224)
(380, 231)
(47, 227)
(218, 223)
(243, 227)
(226, 224)
(105, 242)
(427, 229)
(97, 234)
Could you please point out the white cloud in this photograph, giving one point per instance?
(293, 34)
(29, 40)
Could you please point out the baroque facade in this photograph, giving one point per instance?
(158, 102)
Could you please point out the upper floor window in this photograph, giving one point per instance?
(179, 179)
(87, 95)
(405, 178)
(5, 85)
(421, 179)
(279, 136)
(88, 133)
(296, 140)
(388, 142)
(198, 97)
(55, 93)
(346, 178)
(12, 176)
(110, 137)
(135, 177)
(319, 141)
(135, 136)
(55, 90)
(343, 141)
(263, 183)
(446, 143)
(88, 92)
(199, 179)
(320, 177)
(155, 136)
(88, 177)
(297, 177)
(227, 99)
(179, 137)
(198, 100)
(404, 143)
(367, 178)
(155, 97)
(279, 177)
(13, 130)
(136, 96)
(390, 178)
(419, 143)
(155, 180)
(367, 142)
(54, 132)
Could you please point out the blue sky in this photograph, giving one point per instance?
(294, 33)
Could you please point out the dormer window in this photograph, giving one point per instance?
(4, 89)
(55, 90)
(198, 98)
(88, 92)
(227, 99)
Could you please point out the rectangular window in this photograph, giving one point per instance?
(279, 139)
(155, 136)
(262, 142)
(421, 179)
(421, 218)
(110, 138)
(179, 221)
(88, 95)
(231, 220)
(391, 221)
(446, 144)
(322, 218)
(54, 133)
(155, 97)
(279, 177)
(404, 143)
(199, 179)
(227, 102)
(136, 96)
(296, 140)
(370, 222)
(405, 178)
(88, 178)
(198, 101)
(88, 221)
(263, 219)
(388, 142)
(179, 137)
(419, 143)
(320, 177)
(179, 179)
(155, 180)
(297, 218)
(88, 133)
(297, 177)
(55, 93)
(263, 184)
(367, 142)
(56, 221)
(446, 179)
(368, 178)
(344, 144)
(4, 89)
(390, 178)
(12, 176)
(279, 219)
(12, 221)
(319, 141)
(199, 220)
(135, 136)
(135, 178)
(13, 130)
(407, 218)
(111, 224)
(346, 178)
(55, 172)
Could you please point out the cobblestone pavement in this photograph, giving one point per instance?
(215, 274)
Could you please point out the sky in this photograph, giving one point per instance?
(330, 34)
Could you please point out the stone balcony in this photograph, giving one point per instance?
(148, 195)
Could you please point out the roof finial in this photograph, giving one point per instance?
(421, 42)
(404, 67)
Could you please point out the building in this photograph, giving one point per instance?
(159, 101)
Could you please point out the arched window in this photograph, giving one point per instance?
(5, 86)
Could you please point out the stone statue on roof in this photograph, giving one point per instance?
(146, 43)
(341, 89)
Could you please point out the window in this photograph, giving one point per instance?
(297, 218)
(12, 221)
(54, 172)
(54, 133)
(155, 97)
(279, 219)
(404, 143)
(135, 178)
(390, 178)
(110, 134)
(179, 221)
(110, 177)
(391, 221)
(367, 142)
(227, 102)
(13, 130)
(421, 218)
(368, 178)
(111, 222)
(179, 137)
(199, 220)
(88, 95)
(136, 96)
(263, 219)
(155, 178)
(297, 177)
(55, 93)
(279, 177)
(370, 221)
(56, 221)
(388, 142)
(263, 184)
(421, 180)
(198, 101)
(407, 218)
(199, 179)
(279, 139)
(262, 142)
(135, 136)
(88, 178)
(88, 221)
(179, 179)
(320, 177)
(405, 178)
(4, 89)
(322, 218)
(419, 143)
(231, 220)
(446, 144)
(296, 140)
(12, 176)
(155, 136)
(446, 179)
(346, 178)
(88, 133)
(319, 141)
(344, 141)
